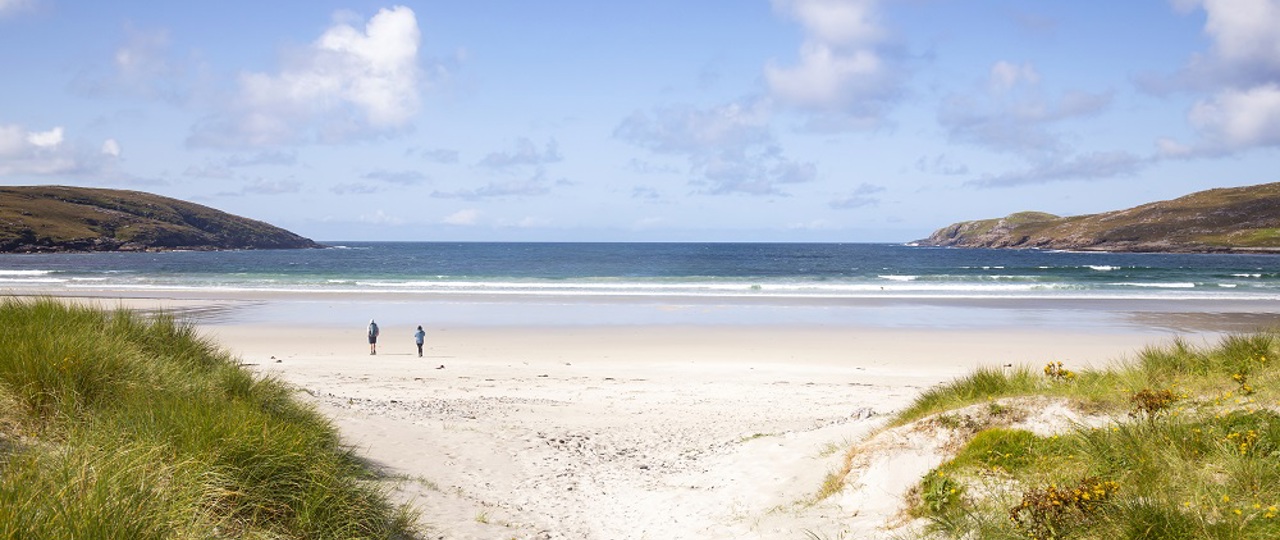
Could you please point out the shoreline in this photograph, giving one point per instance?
(337, 310)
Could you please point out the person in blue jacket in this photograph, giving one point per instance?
(373, 337)
(419, 337)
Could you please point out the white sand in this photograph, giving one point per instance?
(629, 432)
(621, 428)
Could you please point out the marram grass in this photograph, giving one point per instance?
(1192, 450)
(119, 426)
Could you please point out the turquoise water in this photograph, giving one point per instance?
(716, 270)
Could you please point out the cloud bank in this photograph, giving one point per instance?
(1241, 72)
(843, 77)
(348, 83)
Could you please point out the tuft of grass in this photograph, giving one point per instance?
(984, 383)
(117, 426)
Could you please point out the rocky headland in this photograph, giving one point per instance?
(1226, 220)
(63, 219)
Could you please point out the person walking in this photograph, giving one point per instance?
(373, 337)
(419, 337)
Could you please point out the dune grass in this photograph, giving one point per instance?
(1192, 450)
(114, 425)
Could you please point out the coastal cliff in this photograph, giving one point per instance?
(61, 218)
(1244, 219)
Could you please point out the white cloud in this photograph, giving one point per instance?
(525, 153)
(142, 62)
(1013, 114)
(1242, 74)
(842, 75)
(111, 147)
(462, 217)
(144, 65)
(1245, 33)
(1091, 166)
(689, 130)
(46, 139)
(825, 78)
(24, 152)
(730, 149)
(835, 21)
(1006, 75)
(378, 217)
(13, 140)
(349, 82)
(11, 7)
(1240, 118)
(1170, 148)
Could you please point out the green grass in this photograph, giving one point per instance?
(1193, 450)
(113, 425)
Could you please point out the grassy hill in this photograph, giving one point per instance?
(1245, 219)
(60, 218)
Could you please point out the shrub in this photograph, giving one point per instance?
(1055, 372)
(1149, 403)
(1046, 512)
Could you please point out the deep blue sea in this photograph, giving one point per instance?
(658, 269)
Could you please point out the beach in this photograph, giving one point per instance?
(601, 418)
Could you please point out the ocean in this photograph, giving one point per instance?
(717, 270)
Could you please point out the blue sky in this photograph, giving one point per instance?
(750, 120)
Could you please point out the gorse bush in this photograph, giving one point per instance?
(1046, 512)
(1150, 403)
(114, 425)
(1056, 372)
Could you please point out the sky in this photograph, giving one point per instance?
(663, 120)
